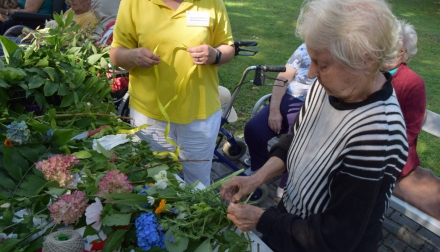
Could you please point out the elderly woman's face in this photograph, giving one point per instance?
(341, 82)
(79, 6)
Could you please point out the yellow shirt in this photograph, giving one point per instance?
(84, 19)
(151, 23)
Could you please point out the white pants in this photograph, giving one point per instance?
(196, 140)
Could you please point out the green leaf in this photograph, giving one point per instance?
(7, 183)
(9, 47)
(61, 137)
(82, 154)
(14, 162)
(205, 246)
(28, 152)
(44, 62)
(36, 81)
(9, 244)
(116, 219)
(56, 191)
(3, 84)
(67, 100)
(114, 241)
(63, 90)
(51, 73)
(94, 58)
(180, 244)
(50, 88)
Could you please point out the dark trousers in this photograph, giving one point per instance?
(257, 131)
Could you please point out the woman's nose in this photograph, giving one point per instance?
(313, 71)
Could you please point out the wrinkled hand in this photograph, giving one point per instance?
(275, 120)
(237, 188)
(145, 58)
(203, 54)
(244, 216)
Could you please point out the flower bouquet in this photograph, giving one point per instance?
(121, 197)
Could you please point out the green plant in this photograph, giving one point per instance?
(62, 68)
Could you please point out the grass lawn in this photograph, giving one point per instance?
(272, 25)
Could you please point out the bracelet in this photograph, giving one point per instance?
(7, 12)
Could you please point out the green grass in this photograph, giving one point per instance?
(272, 25)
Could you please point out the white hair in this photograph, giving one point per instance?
(407, 39)
(353, 31)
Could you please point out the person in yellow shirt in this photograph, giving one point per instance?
(172, 49)
(83, 13)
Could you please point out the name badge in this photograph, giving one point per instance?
(197, 18)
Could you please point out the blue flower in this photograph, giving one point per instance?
(147, 233)
(48, 135)
(174, 211)
(18, 133)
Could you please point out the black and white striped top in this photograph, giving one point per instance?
(343, 161)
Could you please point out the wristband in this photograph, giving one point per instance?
(218, 57)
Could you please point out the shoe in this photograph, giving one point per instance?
(249, 172)
(280, 192)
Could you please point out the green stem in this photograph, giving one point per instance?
(224, 180)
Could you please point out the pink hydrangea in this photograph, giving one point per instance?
(56, 168)
(114, 182)
(69, 208)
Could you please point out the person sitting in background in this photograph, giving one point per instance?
(32, 6)
(106, 12)
(83, 13)
(348, 144)
(410, 90)
(416, 185)
(278, 117)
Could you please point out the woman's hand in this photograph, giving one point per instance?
(244, 216)
(275, 119)
(144, 58)
(203, 54)
(237, 188)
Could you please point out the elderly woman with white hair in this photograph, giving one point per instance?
(410, 90)
(348, 144)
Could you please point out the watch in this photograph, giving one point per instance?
(218, 58)
(7, 12)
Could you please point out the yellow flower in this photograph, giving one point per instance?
(160, 207)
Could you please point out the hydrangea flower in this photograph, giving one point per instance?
(114, 182)
(147, 233)
(18, 133)
(48, 136)
(69, 208)
(56, 169)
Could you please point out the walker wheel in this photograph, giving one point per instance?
(231, 154)
(260, 194)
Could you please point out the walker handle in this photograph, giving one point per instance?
(273, 68)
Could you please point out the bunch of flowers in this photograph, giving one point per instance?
(125, 197)
(114, 182)
(18, 133)
(69, 208)
(56, 168)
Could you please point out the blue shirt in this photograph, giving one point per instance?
(45, 8)
(301, 83)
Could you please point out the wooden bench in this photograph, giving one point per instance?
(418, 195)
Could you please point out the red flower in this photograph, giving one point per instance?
(98, 245)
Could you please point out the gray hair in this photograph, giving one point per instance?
(354, 31)
(407, 39)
